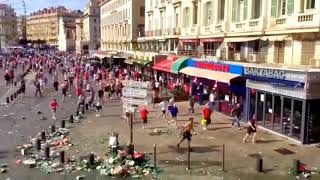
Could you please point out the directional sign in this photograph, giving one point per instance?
(137, 84)
(135, 93)
(138, 102)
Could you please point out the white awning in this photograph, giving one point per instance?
(274, 38)
(240, 39)
(209, 74)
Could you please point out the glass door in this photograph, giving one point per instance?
(252, 103)
(277, 113)
(260, 108)
(297, 119)
(286, 119)
(268, 118)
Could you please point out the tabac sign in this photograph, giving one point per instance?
(276, 73)
(266, 73)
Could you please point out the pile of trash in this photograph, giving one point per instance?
(120, 164)
(119, 161)
(303, 171)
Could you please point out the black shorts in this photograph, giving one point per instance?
(250, 130)
(98, 108)
(187, 135)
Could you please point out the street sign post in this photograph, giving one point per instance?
(138, 102)
(135, 93)
(136, 84)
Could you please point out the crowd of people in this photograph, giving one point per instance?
(94, 85)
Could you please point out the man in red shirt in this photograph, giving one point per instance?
(144, 116)
(207, 115)
(54, 105)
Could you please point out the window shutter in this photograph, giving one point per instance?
(274, 8)
(234, 10)
(245, 9)
(290, 7)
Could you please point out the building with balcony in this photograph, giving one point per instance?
(122, 22)
(44, 24)
(8, 26)
(89, 35)
(275, 41)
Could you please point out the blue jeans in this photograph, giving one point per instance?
(236, 120)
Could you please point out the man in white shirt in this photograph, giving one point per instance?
(163, 107)
(211, 100)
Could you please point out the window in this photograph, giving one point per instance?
(256, 9)
(221, 9)
(186, 17)
(208, 13)
(235, 5)
(95, 20)
(245, 9)
(195, 12)
(310, 4)
(283, 7)
(142, 11)
(290, 7)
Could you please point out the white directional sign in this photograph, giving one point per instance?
(138, 102)
(135, 93)
(136, 84)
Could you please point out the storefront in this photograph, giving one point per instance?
(225, 79)
(285, 101)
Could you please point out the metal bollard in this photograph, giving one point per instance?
(223, 159)
(259, 164)
(63, 124)
(71, 119)
(61, 157)
(155, 155)
(47, 152)
(15, 95)
(91, 159)
(53, 129)
(8, 100)
(11, 97)
(296, 164)
(38, 144)
(189, 149)
(43, 135)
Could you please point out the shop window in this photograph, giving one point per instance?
(195, 12)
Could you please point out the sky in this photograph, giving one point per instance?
(34, 5)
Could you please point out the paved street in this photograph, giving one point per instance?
(89, 136)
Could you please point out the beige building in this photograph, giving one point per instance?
(122, 22)
(21, 28)
(255, 31)
(89, 28)
(8, 26)
(44, 24)
(67, 34)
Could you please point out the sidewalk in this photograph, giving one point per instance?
(206, 155)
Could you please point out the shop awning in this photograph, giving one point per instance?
(101, 55)
(137, 61)
(209, 74)
(241, 39)
(211, 40)
(179, 64)
(164, 65)
(274, 38)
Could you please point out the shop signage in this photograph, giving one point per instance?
(266, 73)
(211, 66)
